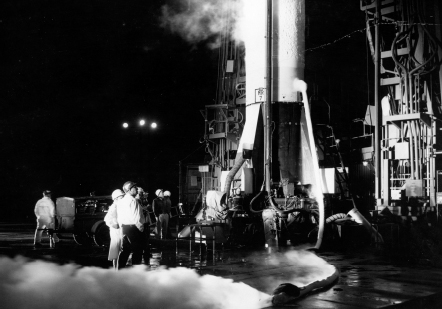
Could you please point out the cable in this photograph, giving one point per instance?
(395, 23)
(191, 153)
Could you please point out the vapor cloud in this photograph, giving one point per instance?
(197, 21)
(39, 284)
(310, 268)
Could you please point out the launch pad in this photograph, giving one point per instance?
(366, 280)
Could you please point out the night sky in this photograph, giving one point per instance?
(73, 71)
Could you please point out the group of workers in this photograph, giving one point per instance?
(129, 227)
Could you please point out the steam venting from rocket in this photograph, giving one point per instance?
(39, 284)
(199, 21)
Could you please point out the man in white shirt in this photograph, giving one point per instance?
(44, 211)
(131, 219)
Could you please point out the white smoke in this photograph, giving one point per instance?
(39, 284)
(309, 267)
(197, 20)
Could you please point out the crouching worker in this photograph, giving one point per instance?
(114, 228)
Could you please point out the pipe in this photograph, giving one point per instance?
(290, 292)
(180, 185)
(377, 104)
(267, 109)
(301, 86)
(239, 161)
(417, 148)
(411, 147)
(359, 218)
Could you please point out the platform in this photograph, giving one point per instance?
(366, 280)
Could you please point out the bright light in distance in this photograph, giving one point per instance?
(365, 163)
(153, 125)
(142, 122)
(125, 125)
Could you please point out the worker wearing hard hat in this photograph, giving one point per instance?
(45, 212)
(114, 228)
(144, 203)
(142, 197)
(167, 200)
(131, 220)
(162, 214)
(168, 205)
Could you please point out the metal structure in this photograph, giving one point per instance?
(225, 119)
(261, 120)
(273, 65)
(406, 52)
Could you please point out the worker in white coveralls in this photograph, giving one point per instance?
(131, 221)
(45, 212)
(114, 228)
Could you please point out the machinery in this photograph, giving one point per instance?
(239, 131)
(405, 43)
(260, 139)
(82, 217)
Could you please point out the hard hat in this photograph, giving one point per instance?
(140, 190)
(46, 192)
(157, 192)
(128, 185)
(166, 193)
(117, 193)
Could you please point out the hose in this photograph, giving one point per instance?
(335, 217)
(253, 201)
(239, 161)
(301, 86)
(288, 292)
(359, 218)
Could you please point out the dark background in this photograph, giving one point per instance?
(73, 71)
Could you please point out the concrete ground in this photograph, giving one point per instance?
(365, 280)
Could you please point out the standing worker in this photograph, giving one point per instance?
(161, 211)
(45, 212)
(114, 228)
(131, 220)
(142, 198)
(168, 207)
